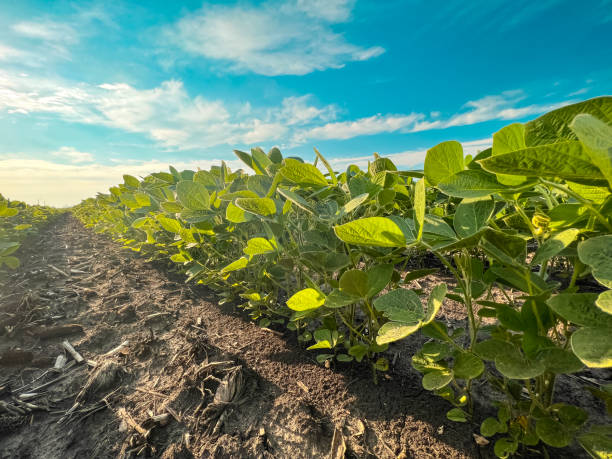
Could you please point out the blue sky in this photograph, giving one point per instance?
(92, 90)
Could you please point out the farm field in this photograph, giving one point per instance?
(289, 309)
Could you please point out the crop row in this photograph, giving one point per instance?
(325, 255)
(17, 221)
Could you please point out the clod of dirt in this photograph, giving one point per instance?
(292, 430)
(104, 378)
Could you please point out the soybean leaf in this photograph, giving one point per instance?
(354, 282)
(371, 231)
(419, 206)
(257, 206)
(468, 366)
(305, 300)
(509, 138)
(597, 253)
(443, 161)
(513, 365)
(472, 215)
(259, 246)
(437, 379)
(579, 308)
(593, 346)
(555, 126)
(339, 299)
(554, 244)
(471, 184)
(597, 137)
(567, 160)
(604, 301)
(302, 173)
(193, 195)
(240, 263)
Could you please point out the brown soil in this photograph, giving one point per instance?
(195, 379)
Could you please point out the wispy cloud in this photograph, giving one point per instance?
(165, 113)
(579, 92)
(73, 155)
(175, 120)
(504, 106)
(46, 30)
(272, 38)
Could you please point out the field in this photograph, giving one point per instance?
(462, 310)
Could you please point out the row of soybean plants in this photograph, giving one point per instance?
(17, 221)
(324, 253)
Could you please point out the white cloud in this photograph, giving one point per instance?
(8, 52)
(166, 113)
(494, 107)
(579, 92)
(73, 155)
(376, 124)
(328, 10)
(47, 30)
(273, 38)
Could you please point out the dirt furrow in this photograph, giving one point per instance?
(172, 374)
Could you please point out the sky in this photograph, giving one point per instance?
(93, 90)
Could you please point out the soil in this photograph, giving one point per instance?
(193, 379)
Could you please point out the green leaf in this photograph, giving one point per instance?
(419, 206)
(257, 206)
(193, 195)
(400, 305)
(131, 181)
(235, 214)
(260, 159)
(457, 415)
(468, 366)
(597, 442)
(371, 231)
(11, 262)
(325, 338)
(306, 300)
(509, 138)
(555, 126)
(437, 379)
(580, 309)
(359, 351)
(597, 253)
(490, 427)
(560, 361)
(303, 174)
(505, 447)
(169, 224)
(8, 247)
(240, 263)
(354, 282)
(378, 278)
(597, 137)
(604, 301)
(504, 247)
(554, 244)
(593, 346)
(553, 432)
(443, 161)
(296, 199)
(567, 160)
(259, 246)
(354, 203)
(491, 348)
(472, 215)
(339, 299)
(471, 184)
(434, 302)
(513, 365)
